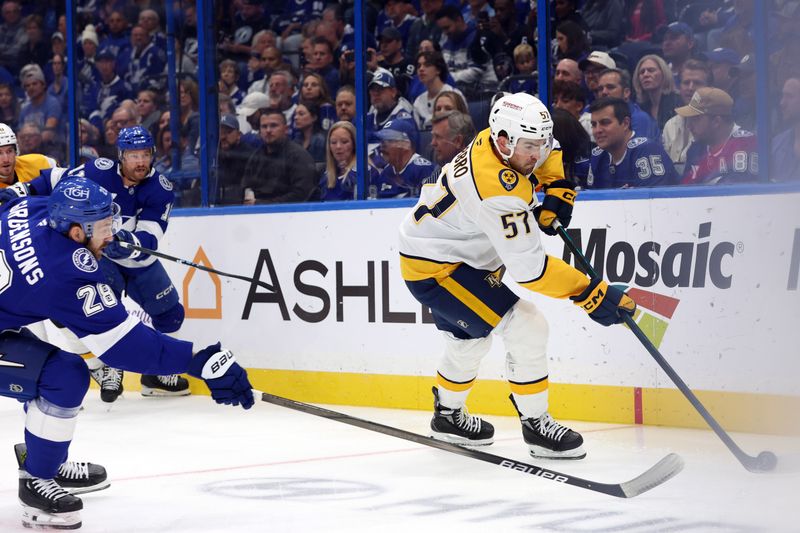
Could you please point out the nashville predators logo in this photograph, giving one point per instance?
(508, 179)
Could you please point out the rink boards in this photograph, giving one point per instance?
(716, 280)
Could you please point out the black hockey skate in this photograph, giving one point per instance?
(173, 385)
(46, 505)
(72, 476)
(548, 439)
(457, 426)
(110, 381)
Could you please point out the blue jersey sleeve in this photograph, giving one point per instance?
(155, 201)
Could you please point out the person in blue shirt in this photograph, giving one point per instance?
(145, 198)
(621, 159)
(386, 104)
(51, 247)
(406, 170)
(616, 83)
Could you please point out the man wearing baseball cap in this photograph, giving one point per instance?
(233, 155)
(386, 103)
(678, 46)
(722, 152)
(406, 170)
(393, 59)
(592, 66)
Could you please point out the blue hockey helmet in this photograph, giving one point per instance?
(81, 201)
(134, 138)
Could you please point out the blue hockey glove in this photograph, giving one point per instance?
(116, 251)
(605, 303)
(557, 203)
(12, 192)
(226, 380)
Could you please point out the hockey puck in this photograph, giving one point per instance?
(767, 461)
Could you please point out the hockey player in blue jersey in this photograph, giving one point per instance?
(621, 158)
(145, 198)
(50, 248)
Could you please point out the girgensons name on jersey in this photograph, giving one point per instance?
(19, 235)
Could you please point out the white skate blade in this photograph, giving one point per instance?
(461, 441)
(546, 453)
(85, 490)
(34, 518)
(148, 391)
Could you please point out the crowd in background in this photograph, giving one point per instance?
(648, 92)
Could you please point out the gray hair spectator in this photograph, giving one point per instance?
(655, 89)
(452, 131)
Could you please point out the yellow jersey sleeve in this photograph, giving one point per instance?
(552, 169)
(29, 166)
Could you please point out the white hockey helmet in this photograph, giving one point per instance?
(7, 136)
(521, 115)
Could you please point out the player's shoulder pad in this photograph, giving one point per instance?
(596, 151)
(491, 177)
(637, 141)
(742, 133)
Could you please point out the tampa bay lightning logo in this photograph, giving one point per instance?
(164, 181)
(103, 163)
(84, 260)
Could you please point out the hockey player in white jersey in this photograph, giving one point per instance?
(481, 215)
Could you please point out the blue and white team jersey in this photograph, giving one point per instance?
(402, 110)
(645, 164)
(145, 208)
(407, 182)
(44, 274)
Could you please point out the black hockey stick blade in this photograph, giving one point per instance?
(764, 461)
(178, 260)
(663, 470)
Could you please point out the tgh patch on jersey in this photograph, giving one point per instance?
(84, 260)
(508, 179)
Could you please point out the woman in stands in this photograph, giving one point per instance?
(432, 72)
(339, 179)
(314, 90)
(655, 89)
(572, 42)
(307, 132)
(449, 101)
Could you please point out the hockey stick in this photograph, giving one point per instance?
(765, 461)
(663, 470)
(148, 251)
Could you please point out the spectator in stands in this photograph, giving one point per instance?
(58, 86)
(90, 136)
(307, 132)
(31, 141)
(189, 103)
(678, 46)
(57, 46)
(468, 62)
(785, 164)
(575, 145)
(565, 10)
(572, 42)
(406, 170)
(281, 89)
(252, 72)
(280, 171)
(148, 108)
(655, 89)
(9, 106)
(36, 48)
(722, 152)
(233, 155)
(399, 15)
(39, 108)
(568, 70)
(452, 131)
(270, 61)
(477, 12)
(724, 63)
(322, 63)
(743, 93)
(524, 67)
(346, 103)
(622, 160)
(785, 62)
(392, 58)
(117, 38)
(110, 90)
(569, 96)
(228, 80)
(386, 103)
(592, 66)
(124, 117)
(424, 28)
(605, 19)
(144, 63)
(313, 90)
(644, 17)
(339, 181)
(12, 35)
(432, 71)
(676, 137)
(449, 101)
(151, 22)
(616, 83)
(87, 73)
(506, 27)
